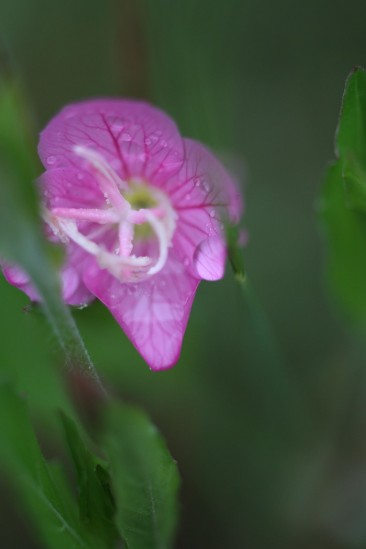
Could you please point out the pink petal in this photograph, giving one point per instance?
(152, 313)
(70, 188)
(74, 292)
(18, 278)
(136, 139)
(204, 195)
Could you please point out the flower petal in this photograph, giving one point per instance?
(152, 313)
(136, 139)
(204, 195)
(74, 292)
(70, 188)
(18, 278)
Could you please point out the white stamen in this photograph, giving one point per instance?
(122, 264)
(85, 214)
(161, 234)
(115, 264)
(125, 234)
(110, 183)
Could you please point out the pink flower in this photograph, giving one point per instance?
(140, 211)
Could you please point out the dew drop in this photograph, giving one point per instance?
(164, 144)
(82, 306)
(147, 141)
(212, 213)
(206, 185)
(126, 137)
(51, 160)
(80, 176)
(116, 251)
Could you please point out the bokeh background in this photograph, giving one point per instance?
(272, 453)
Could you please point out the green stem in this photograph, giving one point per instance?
(276, 391)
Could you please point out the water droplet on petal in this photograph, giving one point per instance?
(80, 176)
(209, 258)
(147, 141)
(164, 144)
(212, 213)
(126, 137)
(82, 306)
(206, 185)
(51, 160)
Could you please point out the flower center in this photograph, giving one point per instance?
(136, 212)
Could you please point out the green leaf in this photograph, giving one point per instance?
(343, 202)
(42, 485)
(351, 132)
(354, 178)
(145, 479)
(345, 232)
(96, 503)
(21, 239)
(351, 139)
(236, 255)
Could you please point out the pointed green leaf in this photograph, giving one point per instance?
(145, 479)
(96, 502)
(345, 232)
(41, 486)
(351, 139)
(21, 239)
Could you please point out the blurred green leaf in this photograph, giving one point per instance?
(354, 178)
(351, 139)
(345, 231)
(145, 479)
(351, 133)
(343, 202)
(21, 238)
(236, 255)
(96, 502)
(42, 485)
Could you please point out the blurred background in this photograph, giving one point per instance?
(272, 452)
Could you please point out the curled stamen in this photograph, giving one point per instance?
(111, 184)
(125, 235)
(116, 265)
(85, 214)
(161, 234)
(122, 218)
(138, 217)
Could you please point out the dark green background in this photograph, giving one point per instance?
(260, 82)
